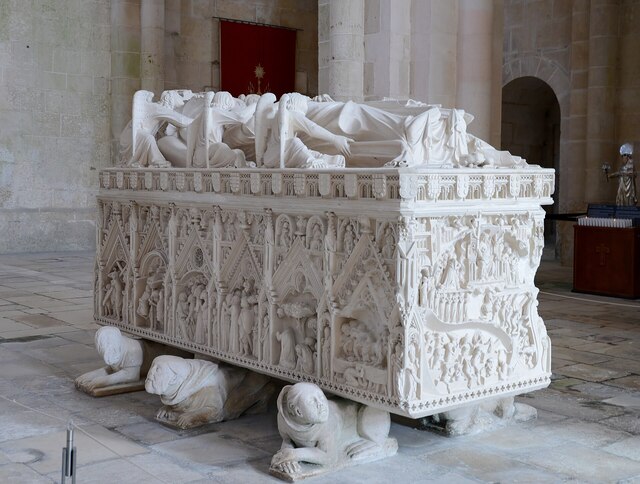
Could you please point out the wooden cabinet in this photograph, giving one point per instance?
(607, 261)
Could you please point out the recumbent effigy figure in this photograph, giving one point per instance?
(197, 392)
(216, 130)
(319, 435)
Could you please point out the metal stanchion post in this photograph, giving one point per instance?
(69, 455)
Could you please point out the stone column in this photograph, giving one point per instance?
(125, 65)
(152, 45)
(341, 47)
(434, 37)
(572, 181)
(475, 66)
(387, 49)
(601, 98)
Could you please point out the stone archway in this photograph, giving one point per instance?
(531, 129)
(553, 83)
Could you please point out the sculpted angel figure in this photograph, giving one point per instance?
(205, 145)
(278, 139)
(138, 144)
(326, 433)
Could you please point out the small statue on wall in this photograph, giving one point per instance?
(288, 356)
(247, 318)
(626, 176)
(319, 435)
(113, 300)
(197, 392)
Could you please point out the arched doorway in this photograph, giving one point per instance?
(531, 129)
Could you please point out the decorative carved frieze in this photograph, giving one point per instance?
(416, 302)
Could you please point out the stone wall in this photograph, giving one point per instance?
(628, 74)
(54, 118)
(584, 50)
(68, 71)
(192, 48)
(445, 52)
(186, 55)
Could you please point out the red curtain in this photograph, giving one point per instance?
(256, 59)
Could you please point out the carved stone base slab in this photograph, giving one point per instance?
(389, 449)
(114, 389)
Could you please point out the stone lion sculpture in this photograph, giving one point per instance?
(124, 358)
(319, 435)
(473, 419)
(127, 362)
(197, 392)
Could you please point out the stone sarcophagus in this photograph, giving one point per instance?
(410, 289)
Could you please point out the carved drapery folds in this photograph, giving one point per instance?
(414, 311)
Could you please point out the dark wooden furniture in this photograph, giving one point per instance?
(607, 261)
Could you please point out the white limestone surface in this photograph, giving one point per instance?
(407, 287)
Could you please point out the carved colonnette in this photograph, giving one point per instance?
(410, 290)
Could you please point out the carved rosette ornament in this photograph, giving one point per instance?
(350, 185)
(234, 182)
(379, 186)
(254, 181)
(462, 186)
(324, 184)
(408, 186)
(181, 181)
(197, 182)
(433, 186)
(148, 180)
(164, 180)
(538, 186)
(299, 183)
(276, 183)
(215, 182)
(514, 185)
(488, 186)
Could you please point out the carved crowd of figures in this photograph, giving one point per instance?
(217, 130)
(317, 296)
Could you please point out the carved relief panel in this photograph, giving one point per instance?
(399, 311)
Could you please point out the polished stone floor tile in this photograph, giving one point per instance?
(585, 464)
(588, 425)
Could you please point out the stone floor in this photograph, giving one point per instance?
(588, 426)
